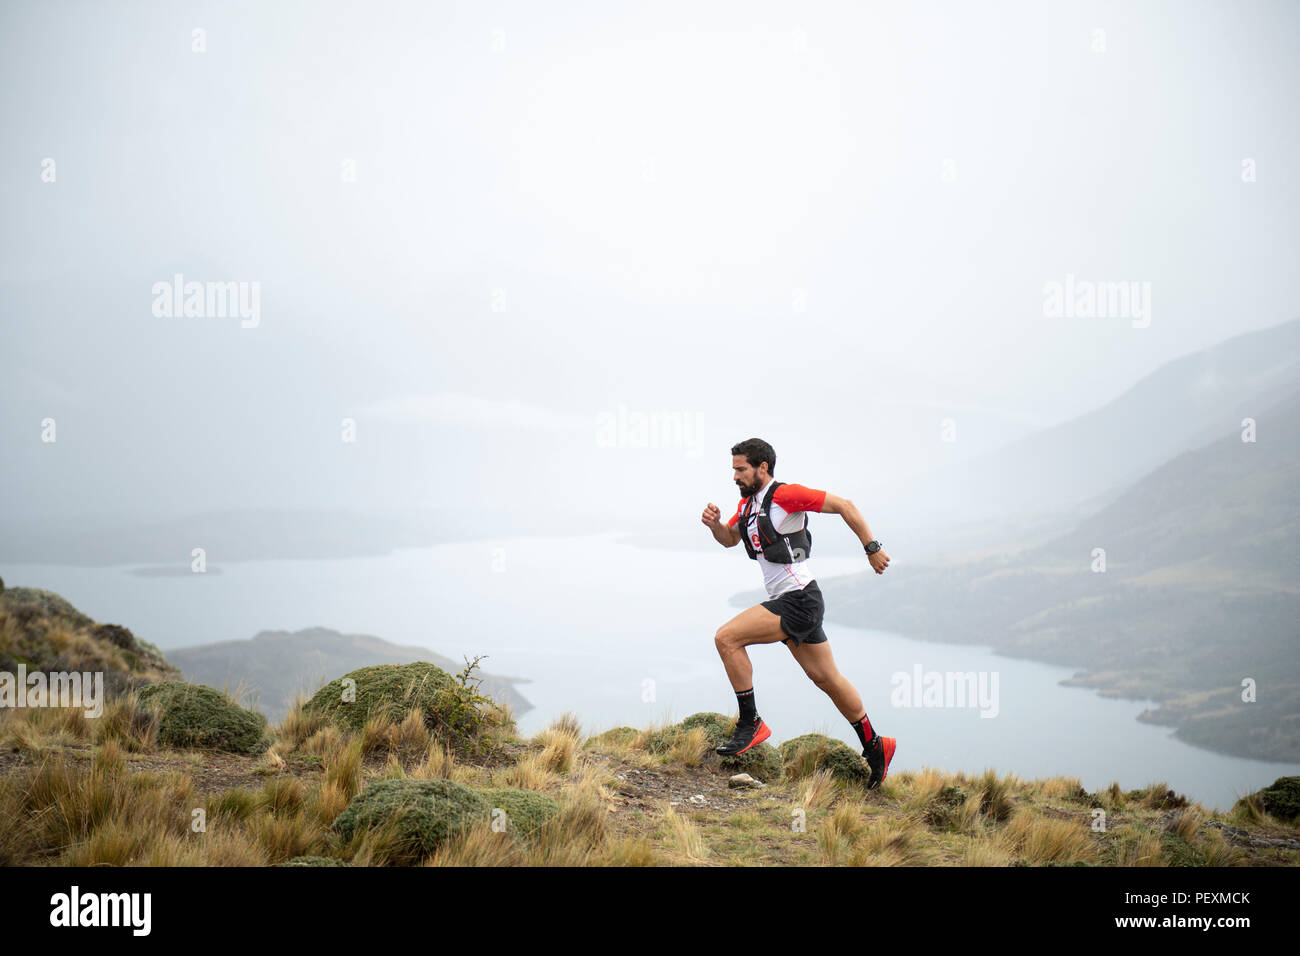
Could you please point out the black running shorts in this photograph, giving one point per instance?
(801, 613)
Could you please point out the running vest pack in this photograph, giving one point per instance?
(778, 548)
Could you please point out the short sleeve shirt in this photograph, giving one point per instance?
(788, 503)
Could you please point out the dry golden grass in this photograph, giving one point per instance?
(1059, 788)
(1035, 838)
(1218, 851)
(816, 790)
(298, 727)
(983, 852)
(531, 772)
(88, 653)
(439, 763)
(560, 742)
(889, 842)
(688, 748)
(682, 836)
(629, 851)
(73, 801)
(921, 785)
(838, 832)
(1137, 848)
(342, 766)
(1187, 822)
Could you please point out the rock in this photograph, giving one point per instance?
(743, 780)
(699, 798)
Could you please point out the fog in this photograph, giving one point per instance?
(490, 242)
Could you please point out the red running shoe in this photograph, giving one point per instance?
(745, 736)
(879, 752)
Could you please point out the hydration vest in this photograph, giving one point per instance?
(778, 548)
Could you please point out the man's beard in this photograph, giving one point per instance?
(748, 491)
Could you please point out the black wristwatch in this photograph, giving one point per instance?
(872, 547)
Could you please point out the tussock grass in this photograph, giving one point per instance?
(816, 790)
(299, 726)
(682, 836)
(985, 853)
(629, 851)
(838, 832)
(687, 749)
(77, 795)
(889, 842)
(559, 744)
(1138, 848)
(1038, 839)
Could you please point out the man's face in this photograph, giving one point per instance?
(748, 478)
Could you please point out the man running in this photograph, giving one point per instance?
(772, 521)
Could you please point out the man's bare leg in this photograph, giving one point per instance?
(818, 663)
(757, 625)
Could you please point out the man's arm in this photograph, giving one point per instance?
(836, 505)
(725, 534)
(847, 510)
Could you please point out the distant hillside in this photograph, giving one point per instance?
(1200, 591)
(274, 666)
(1180, 406)
(43, 632)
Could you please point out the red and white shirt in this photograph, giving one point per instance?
(787, 502)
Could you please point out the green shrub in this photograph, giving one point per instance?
(191, 715)
(452, 707)
(1281, 798)
(526, 810)
(803, 756)
(717, 728)
(424, 814)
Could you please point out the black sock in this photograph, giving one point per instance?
(748, 714)
(865, 732)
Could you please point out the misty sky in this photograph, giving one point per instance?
(476, 227)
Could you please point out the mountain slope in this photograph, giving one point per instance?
(1199, 593)
(1180, 406)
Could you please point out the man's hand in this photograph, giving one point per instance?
(723, 533)
(879, 561)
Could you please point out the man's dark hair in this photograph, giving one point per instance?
(756, 451)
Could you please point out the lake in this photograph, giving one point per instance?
(619, 634)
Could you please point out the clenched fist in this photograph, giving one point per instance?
(712, 516)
